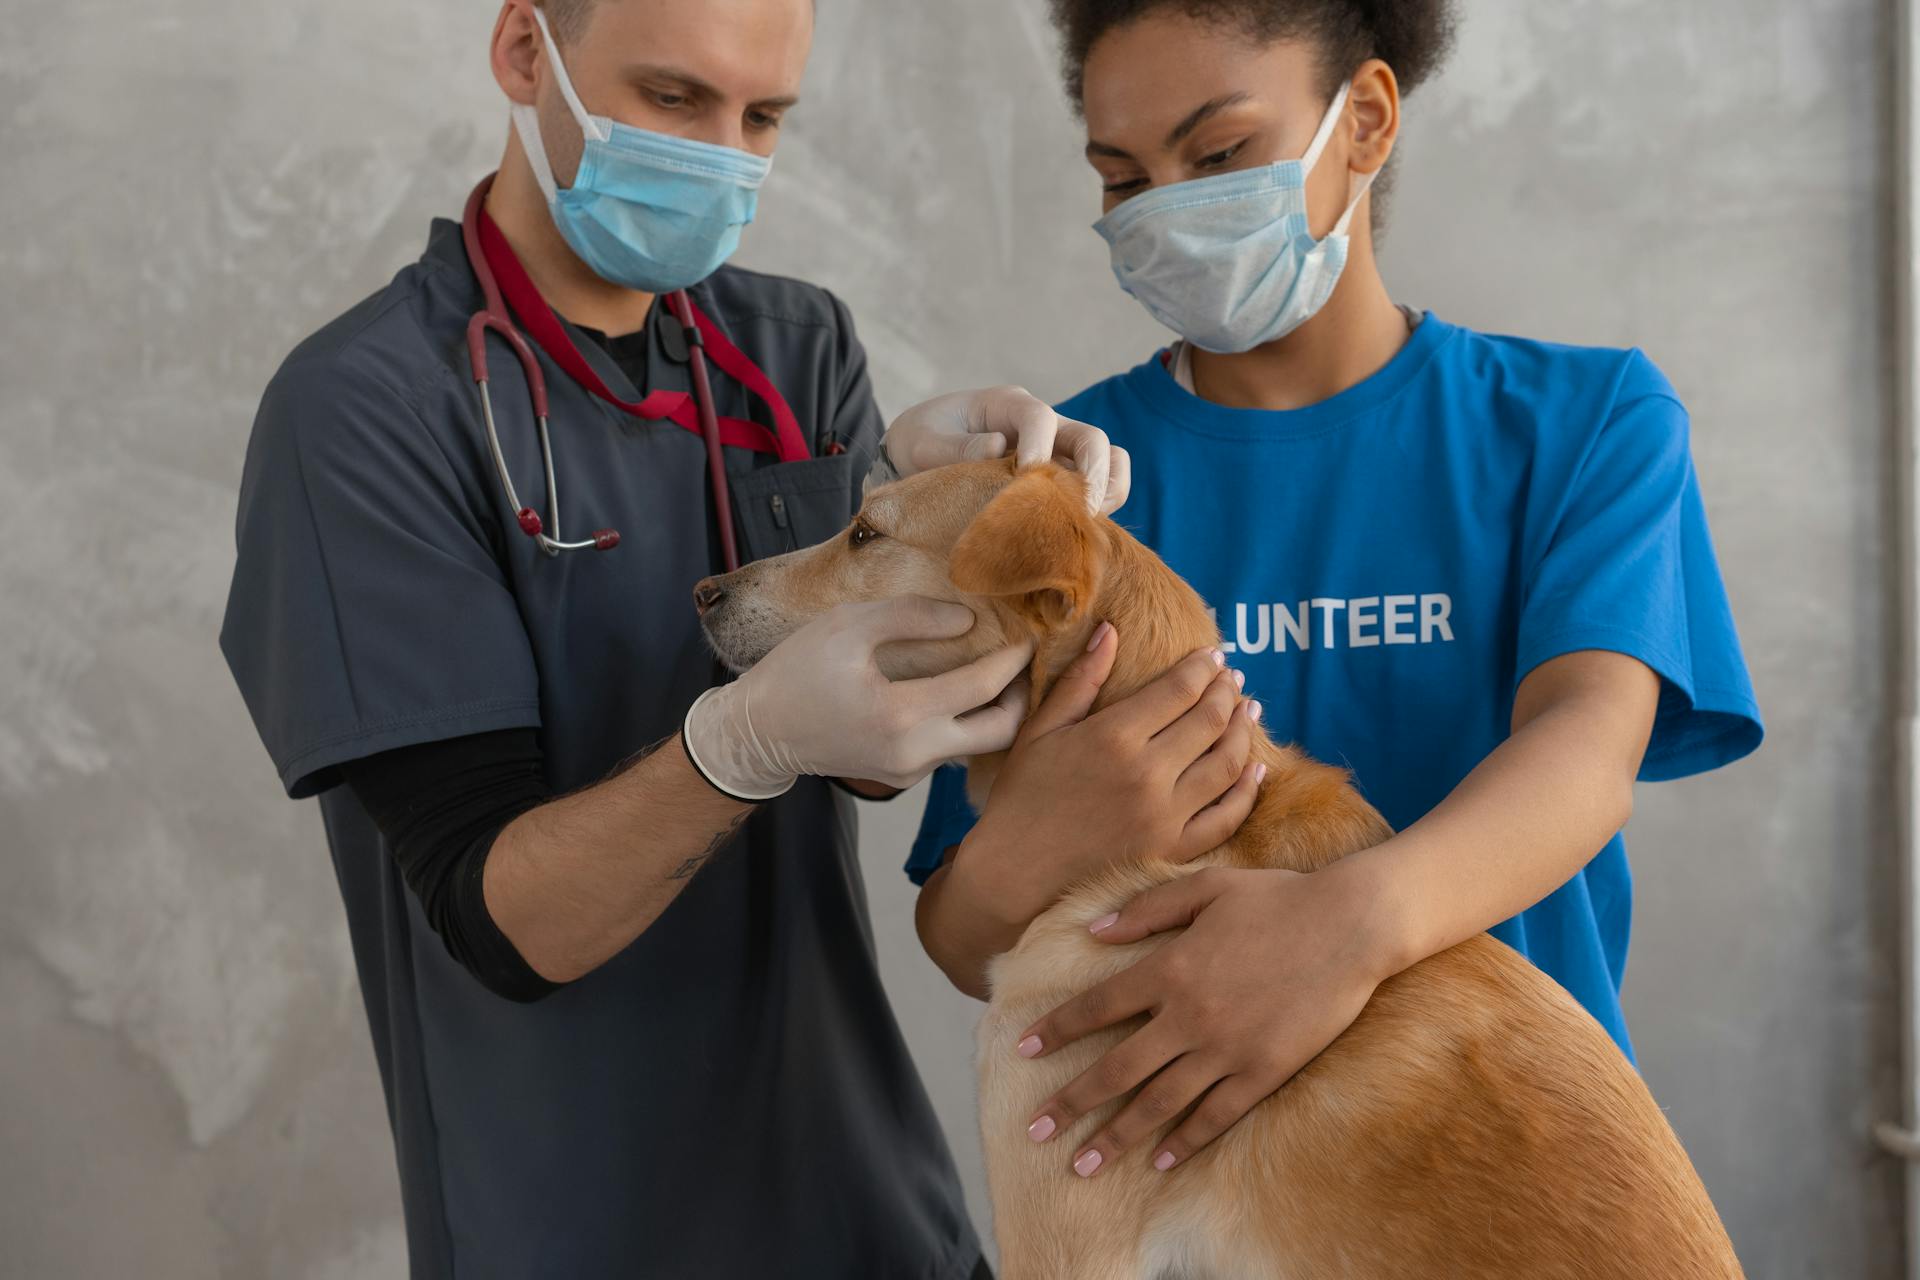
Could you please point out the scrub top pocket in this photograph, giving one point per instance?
(790, 505)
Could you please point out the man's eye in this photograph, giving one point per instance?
(762, 120)
(862, 534)
(1124, 186)
(670, 101)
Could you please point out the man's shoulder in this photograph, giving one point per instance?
(372, 371)
(382, 342)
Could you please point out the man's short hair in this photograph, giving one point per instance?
(568, 18)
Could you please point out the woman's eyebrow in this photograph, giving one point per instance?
(1195, 118)
(1202, 113)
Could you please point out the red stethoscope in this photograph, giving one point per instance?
(504, 283)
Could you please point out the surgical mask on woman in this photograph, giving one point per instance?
(1229, 262)
(646, 210)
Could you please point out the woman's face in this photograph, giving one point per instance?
(1169, 98)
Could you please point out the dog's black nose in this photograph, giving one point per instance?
(706, 595)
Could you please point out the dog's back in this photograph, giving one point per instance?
(1474, 1121)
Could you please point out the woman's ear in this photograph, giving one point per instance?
(1036, 546)
(1374, 102)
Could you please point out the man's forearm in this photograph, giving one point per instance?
(576, 880)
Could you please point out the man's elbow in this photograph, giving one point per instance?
(457, 910)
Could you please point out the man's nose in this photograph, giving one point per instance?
(706, 594)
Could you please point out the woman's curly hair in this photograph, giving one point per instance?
(1411, 36)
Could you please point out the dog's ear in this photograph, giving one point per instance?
(1036, 545)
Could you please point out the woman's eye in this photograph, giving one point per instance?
(862, 534)
(1219, 158)
(761, 120)
(670, 101)
(1124, 187)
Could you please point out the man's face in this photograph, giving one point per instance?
(718, 71)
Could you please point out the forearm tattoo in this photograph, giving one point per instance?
(720, 838)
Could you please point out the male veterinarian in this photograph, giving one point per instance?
(627, 1016)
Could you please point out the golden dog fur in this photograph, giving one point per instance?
(1473, 1122)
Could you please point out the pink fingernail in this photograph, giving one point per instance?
(1104, 923)
(1099, 634)
(1028, 1048)
(1259, 774)
(1042, 1129)
(1087, 1163)
(1163, 1161)
(1253, 711)
(1219, 658)
(1239, 679)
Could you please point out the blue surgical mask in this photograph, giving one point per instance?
(1229, 262)
(646, 210)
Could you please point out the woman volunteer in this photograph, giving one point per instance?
(1476, 569)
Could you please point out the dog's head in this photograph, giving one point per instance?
(1021, 550)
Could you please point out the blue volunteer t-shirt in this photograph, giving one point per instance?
(1388, 565)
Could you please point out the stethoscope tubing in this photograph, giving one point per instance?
(494, 318)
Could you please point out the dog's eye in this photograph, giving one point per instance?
(861, 534)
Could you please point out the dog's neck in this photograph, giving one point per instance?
(1160, 620)
(1308, 813)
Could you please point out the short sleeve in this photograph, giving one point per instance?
(1629, 567)
(948, 818)
(367, 609)
(857, 425)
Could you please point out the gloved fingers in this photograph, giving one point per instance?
(1091, 454)
(991, 728)
(1119, 481)
(930, 449)
(977, 684)
(879, 622)
(1030, 420)
(980, 448)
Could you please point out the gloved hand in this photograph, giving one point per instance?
(968, 426)
(818, 704)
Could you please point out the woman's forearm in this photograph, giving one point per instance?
(1527, 819)
(963, 929)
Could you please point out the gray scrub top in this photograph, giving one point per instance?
(730, 1096)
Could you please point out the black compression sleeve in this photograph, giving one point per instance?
(440, 806)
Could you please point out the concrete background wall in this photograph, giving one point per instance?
(192, 187)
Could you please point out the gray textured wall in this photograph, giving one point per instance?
(193, 186)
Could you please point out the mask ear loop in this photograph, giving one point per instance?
(526, 123)
(1357, 188)
(588, 125)
(1325, 133)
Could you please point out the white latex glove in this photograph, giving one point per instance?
(818, 704)
(968, 426)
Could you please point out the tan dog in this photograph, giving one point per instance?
(1473, 1122)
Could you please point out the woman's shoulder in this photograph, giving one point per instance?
(1111, 393)
(1554, 373)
